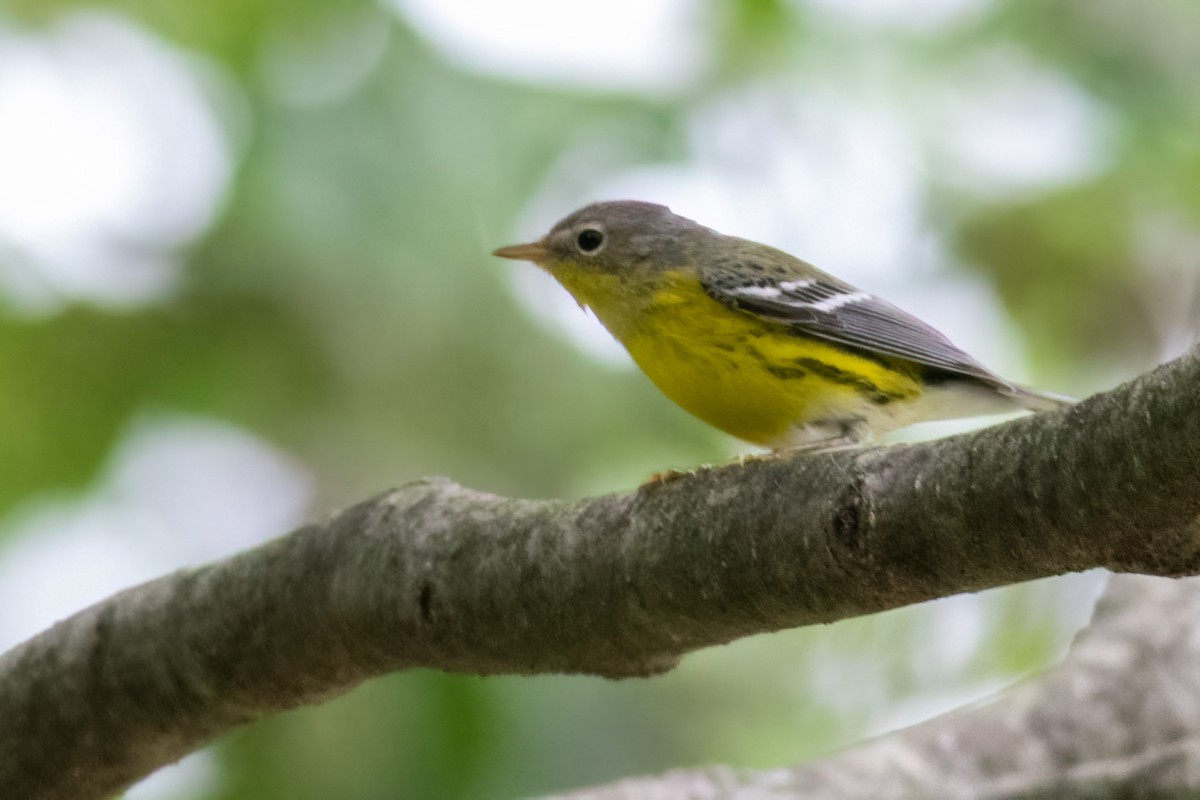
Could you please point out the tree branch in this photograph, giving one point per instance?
(435, 575)
(1119, 717)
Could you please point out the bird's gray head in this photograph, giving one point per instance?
(618, 237)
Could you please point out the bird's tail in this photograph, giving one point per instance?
(1032, 400)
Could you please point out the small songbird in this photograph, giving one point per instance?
(756, 342)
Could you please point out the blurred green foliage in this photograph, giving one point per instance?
(344, 307)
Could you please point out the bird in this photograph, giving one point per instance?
(758, 343)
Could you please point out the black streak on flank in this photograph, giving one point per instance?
(835, 375)
(804, 366)
(786, 373)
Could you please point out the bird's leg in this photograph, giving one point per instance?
(846, 434)
(831, 445)
(834, 435)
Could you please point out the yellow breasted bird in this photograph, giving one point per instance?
(756, 342)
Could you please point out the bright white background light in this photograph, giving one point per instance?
(643, 45)
(111, 157)
(1007, 126)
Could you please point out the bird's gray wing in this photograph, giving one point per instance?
(823, 307)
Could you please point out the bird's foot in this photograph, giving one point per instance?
(666, 476)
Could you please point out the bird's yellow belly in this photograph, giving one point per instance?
(749, 377)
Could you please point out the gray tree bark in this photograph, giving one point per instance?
(1119, 718)
(436, 575)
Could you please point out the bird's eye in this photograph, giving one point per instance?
(589, 240)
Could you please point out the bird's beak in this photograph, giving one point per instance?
(534, 251)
